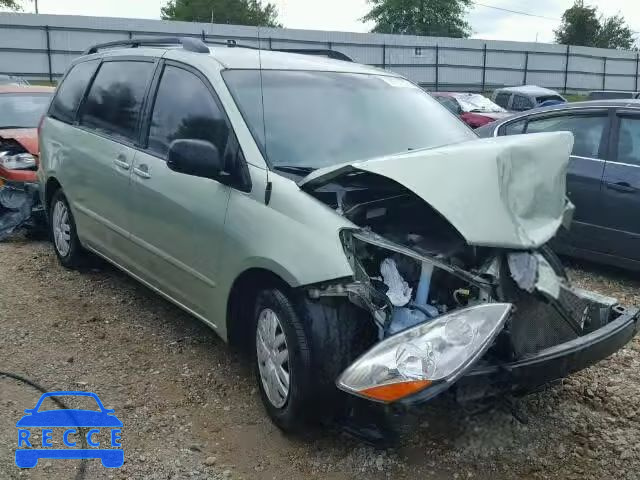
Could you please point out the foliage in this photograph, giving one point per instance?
(420, 17)
(581, 25)
(10, 4)
(236, 12)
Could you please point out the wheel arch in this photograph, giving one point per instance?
(240, 310)
(50, 188)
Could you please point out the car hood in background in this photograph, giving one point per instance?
(27, 137)
(505, 192)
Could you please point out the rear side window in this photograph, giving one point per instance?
(502, 99)
(185, 108)
(629, 141)
(521, 103)
(115, 98)
(588, 131)
(71, 90)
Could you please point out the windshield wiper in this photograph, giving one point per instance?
(295, 169)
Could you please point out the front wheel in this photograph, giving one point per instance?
(282, 361)
(64, 234)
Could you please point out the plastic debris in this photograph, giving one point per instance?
(399, 292)
(16, 205)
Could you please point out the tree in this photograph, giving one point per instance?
(614, 33)
(581, 25)
(10, 4)
(420, 17)
(237, 12)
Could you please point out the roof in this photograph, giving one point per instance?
(529, 90)
(25, 89)
(238, 58)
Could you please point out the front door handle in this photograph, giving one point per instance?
(622, 187)
(121, 162)
(142, 171)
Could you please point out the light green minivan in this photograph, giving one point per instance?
(367, 249)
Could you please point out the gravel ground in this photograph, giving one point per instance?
(190, 408)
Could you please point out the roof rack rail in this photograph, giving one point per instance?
(188, 43)
(334, 54)
(198, 46)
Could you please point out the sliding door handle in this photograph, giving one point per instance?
(121, 162)
(142, 171)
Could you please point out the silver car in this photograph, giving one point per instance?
(363, 245)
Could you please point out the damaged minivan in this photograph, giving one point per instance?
(331, 218)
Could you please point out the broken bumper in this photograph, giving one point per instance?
(542, 368)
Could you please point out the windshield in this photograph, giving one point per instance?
(478, 103)
(318, 119)
(22, 110)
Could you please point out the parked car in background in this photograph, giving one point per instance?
(525, 97)
(603, 179)
(612, 94)
(474, 109)
(360, 266)
(21, 109)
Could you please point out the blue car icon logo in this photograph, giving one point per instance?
(28, 452)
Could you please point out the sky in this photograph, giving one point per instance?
(344, 15)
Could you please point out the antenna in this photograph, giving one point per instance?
(267, 193)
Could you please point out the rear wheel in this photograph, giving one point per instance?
(63, 233)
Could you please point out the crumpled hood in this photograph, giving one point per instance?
(505, 192)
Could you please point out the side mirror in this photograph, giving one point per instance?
(195, 157)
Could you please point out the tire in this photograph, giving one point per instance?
(322, 338)
(64, 236)
(290, 411)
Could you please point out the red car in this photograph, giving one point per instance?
(473, 109)
(21, 108)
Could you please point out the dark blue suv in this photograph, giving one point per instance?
(603, 180)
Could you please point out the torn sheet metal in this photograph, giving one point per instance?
(499, 192)
(524, 270)
(16, 206)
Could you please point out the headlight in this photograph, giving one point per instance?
(436, 351)
(20, 161)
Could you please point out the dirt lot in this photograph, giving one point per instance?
(190, 409)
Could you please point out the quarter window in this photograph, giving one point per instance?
(629, 141)
(184, 108)
(71, 90)
(502, 99)
(514, 128)
(115, 98)
(587, 131)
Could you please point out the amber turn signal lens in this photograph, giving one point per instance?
(395, 391)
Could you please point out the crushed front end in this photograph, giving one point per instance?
(487, 320)
(19, 198)
(461, 289)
